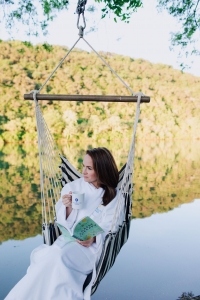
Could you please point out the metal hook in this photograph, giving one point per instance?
(84, 23)
(80, 11)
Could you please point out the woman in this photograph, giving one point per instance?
(59, 271)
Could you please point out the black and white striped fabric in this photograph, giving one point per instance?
(69, 173)
(114, 240)
(112, 246)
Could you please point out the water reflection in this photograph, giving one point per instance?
(166, 175)
(160, 261)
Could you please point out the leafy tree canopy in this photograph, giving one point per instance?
(187, 13)
(27, 11)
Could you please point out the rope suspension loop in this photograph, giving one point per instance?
(111, 69)
(80, 11)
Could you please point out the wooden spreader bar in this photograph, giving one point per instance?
(100, 98)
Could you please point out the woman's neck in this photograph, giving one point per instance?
(95, 184)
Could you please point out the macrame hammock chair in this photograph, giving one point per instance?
(56, 171)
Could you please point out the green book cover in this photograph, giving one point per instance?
(65, 232)
(84, 230)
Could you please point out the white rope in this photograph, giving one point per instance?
(60, 63)
(44, 217)
(43, 158)
(111, 69)
(43, 155)
(48, 154)
(52, 156)
(102, 59)
(51, 172)
(128, 174)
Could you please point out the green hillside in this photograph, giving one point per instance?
(172, 114)
(167, 162)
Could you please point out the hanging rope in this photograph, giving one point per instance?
(80, 11)
(60, 63)
(126, 186)
(111, 69)
(102, 59)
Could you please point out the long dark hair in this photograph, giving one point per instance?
(106, 171)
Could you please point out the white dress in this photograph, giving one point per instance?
(58, 272)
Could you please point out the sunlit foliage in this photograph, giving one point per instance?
(172, 114)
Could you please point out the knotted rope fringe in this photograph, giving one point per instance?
(127, 181)
(49, 171)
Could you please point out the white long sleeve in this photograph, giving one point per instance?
(61, 210)
(102, 215)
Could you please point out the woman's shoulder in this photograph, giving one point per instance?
(73, 184)
(77, 182)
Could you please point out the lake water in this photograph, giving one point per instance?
(161, 259)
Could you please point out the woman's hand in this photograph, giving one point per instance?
(87, 243)
(67, 200)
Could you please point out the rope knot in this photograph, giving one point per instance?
(34, 92)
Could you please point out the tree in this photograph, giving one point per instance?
(186, 296)
(187, 12)
(27, 12)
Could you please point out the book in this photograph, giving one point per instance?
(84, 230)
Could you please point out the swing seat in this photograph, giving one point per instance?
(50, 176)
(87, 281)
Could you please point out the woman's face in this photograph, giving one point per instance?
(88, 171)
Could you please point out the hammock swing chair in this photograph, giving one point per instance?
(54, 174)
